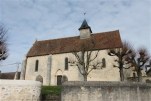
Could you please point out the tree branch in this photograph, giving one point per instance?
(77, 57)
(94, 57)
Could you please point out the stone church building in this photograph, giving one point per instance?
(48, 60)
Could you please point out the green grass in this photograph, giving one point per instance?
(53, 90)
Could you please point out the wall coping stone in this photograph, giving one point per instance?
(105, 83)
(19, 82)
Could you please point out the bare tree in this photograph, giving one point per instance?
(3, 45)
(121, 53)
(86, 59)
(139, 60)
(148, 66)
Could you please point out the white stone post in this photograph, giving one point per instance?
(48, 78)
(23, 69)
(16, 74)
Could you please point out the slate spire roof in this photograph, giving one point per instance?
(85, 25)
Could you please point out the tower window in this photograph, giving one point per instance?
(66, 63)
(36, 65)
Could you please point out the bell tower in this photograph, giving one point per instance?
(85, 30)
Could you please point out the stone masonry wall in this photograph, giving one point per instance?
(19, 90)
(50, 97)
(50, 66)
(106, 91)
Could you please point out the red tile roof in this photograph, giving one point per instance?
(104, 40)
(9, 75)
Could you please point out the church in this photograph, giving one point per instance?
(47, 61)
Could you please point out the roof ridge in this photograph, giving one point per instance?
(57, 38)
(106, 32)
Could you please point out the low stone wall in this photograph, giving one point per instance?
(50, 97)
(19, 90)
(105, 91)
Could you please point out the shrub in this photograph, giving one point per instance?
(53, 90)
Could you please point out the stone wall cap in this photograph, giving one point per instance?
(19, 82)
(104, 83)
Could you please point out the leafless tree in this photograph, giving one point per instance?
(85, 58)
(138, 60)
(121, 53)
(148, 66)
(3, 45)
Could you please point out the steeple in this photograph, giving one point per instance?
(85, 30)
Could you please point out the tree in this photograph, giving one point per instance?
(86, 59)
(3, 45)
(138, 60)
(148, 66)
(121, 53)
(148, 70)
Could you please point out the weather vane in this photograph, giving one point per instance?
(84, 14)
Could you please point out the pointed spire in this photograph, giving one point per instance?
(85, 25)
(85, 30)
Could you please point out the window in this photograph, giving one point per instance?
(66, 63)
(103, 63)
(36, 65)
(134, 75)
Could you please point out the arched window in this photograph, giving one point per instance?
(103, 63)
(66, 63)
(36, 65)
(134, 75)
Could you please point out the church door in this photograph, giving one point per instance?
(59, 79)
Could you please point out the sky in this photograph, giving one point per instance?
(31, 20)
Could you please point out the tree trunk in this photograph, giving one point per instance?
(139, 74)
(85, 77)
(121, 74)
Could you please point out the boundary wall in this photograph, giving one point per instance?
(106, 91)
(19, 90)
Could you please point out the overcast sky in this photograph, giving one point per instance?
(30, 20)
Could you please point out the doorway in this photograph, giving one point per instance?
(59, 79)
(39, 78)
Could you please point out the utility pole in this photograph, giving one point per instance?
(16, 74)
(17, 65)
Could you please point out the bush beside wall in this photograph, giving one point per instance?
(51, 93)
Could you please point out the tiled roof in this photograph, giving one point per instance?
(104, 40)
(9, 75)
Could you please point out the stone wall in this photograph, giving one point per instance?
(19, 90)
(106, 91)
(31, 74)
(50, 97)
